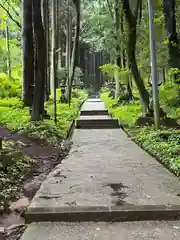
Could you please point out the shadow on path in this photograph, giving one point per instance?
(118, 193)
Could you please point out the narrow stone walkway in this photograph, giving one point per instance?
(105, 168)
(106, 177)
(104, 231)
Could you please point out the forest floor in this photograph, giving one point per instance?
(45, 158)
(29, 152)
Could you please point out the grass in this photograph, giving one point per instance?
(127, 114)
(164, 144)
(16, 118)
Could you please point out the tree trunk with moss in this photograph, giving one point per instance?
(132, 17)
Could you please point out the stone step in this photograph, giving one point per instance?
(97, 122)
(102, 213)
(93, 112)
(103, 231)
(93, 100)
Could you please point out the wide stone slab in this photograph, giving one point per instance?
(105, 170)
(103, 231)
(93, 106)
(94, 100)
(93, 112)
(97, 122)
(105, 214)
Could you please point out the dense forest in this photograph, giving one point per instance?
(41, 78)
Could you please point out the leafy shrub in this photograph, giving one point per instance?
(13, 166)
(62, 73)
(9, 88)
(166, 149)
(11, 102)
(127, 114)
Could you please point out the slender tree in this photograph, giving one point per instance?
(131, 15)
(74, 57)
(40, 63)
(27, 53)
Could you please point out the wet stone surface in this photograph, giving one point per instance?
(89, 106)
(104, 231)
(105, 168)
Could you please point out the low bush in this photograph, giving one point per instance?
(10, 88)
(13, 166)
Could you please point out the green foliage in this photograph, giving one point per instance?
(97, 26)
(164, 145)
(112, 70)
(168, 96)
(127, 114)
(173, 71)
(13, 166)
(9, 88)
(62, 74)
(17, 119)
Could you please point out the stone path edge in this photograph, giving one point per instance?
(104, 214)
(122, 127)
(94, 112)
(73, 122)
(147, 151)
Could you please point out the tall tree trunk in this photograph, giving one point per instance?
(118, 49)
(58, 26)
(40, 63)
(169, 9)
(75, 56)
(131, 50)
(123, 63)
(68, 51)
(53, 45)
(45, 19)
(27, 53)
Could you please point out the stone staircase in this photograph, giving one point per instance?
(94, 116)
(106, 189)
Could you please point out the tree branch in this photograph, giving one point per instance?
(11, 17)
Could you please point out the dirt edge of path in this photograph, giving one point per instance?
(47, 157)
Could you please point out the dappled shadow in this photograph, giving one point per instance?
(118, 193)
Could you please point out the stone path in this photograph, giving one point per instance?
(104, 231)
(106, 177)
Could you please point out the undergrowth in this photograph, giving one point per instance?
(163, 144)
(17, 119)
(13, 166)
